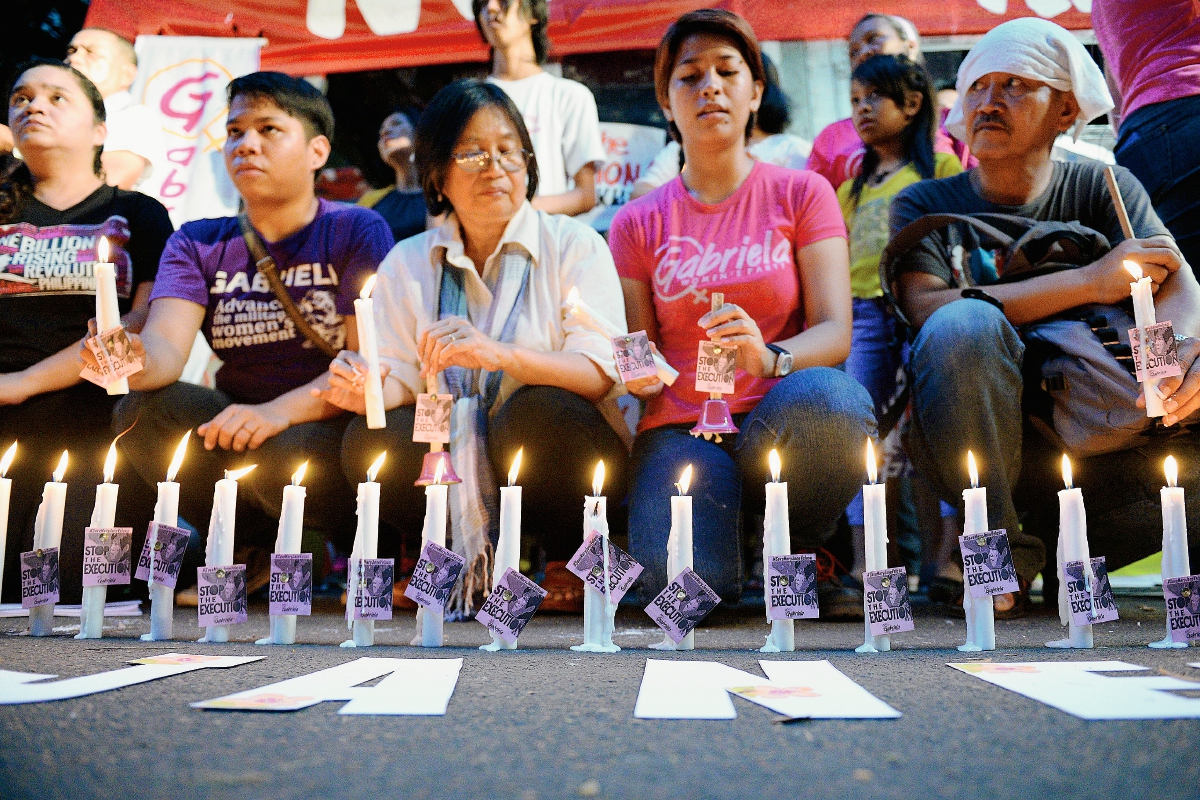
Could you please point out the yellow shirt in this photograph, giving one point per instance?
(868, 220)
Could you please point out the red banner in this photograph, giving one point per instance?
(307, 37)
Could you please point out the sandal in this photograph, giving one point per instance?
(947, 593)
(564, 590)
(1021, 604)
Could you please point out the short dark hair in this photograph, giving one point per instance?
(775, 111)
(99, 114)
(716, 22)
(296, 96)
(123, 44)
(441, 125)
(531, 9)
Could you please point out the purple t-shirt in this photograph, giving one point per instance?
(324, 266)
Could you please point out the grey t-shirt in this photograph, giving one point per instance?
(1077, 192)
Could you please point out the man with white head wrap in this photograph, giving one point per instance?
(1025, 83)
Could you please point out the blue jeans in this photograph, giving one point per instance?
(1160, 145)
(817, 418)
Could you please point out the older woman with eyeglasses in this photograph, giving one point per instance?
(477, 308)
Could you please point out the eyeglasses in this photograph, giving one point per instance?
(477, 160)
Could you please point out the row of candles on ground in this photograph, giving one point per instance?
(599, 612)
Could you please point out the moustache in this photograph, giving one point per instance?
(989, 119)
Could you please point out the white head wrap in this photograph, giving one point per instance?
(1039, 50)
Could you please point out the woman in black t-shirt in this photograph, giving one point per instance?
(53, 209)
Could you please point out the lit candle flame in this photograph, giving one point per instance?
(776, 466)
(298, 475)
(102, 250)
(373, 470)
(110, 462)
(177, 459)
(872, 469)
(233, 475)
(62, 468)
(972, 470)
(515, 468)
(365, 294)
(598, 479)
(573, 296)
(1133, 269)
(437, 472)
(1066, 472)
(685, 480)
(6, 462)
(1169, 467)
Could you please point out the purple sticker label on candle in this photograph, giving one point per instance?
(715, 368)
(510, 606)
(106, 556)
(370, 582)
(165, 546)
(432, 423)
(888, 608)
(39, 577)
(588, 564)
(291, 582)
(434, 576)
(1090, 596)
(791, 586)
(679, 608)
(1183, 607)
(1160, 357)
(222, 592)
(114, 357)
(987, 563)
(635, 359)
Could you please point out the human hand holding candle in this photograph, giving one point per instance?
(368, 344)
(104, 514)
(508, 546)
(47, 532)
(1143, 316)
(980, 611)
(287, 541)
(1072, 546)
(166, 512)
(777, 541)
(875, 531)
(1175, 563)
(5, 495)
(108, 313)
(589, 318)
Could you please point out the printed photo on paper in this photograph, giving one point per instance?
(715, 368)
(588, 564)
(889, 609)
(106, 556)
(1090, 601)
(635, 359)
(434, 576)
(432, 422)
(165, 546)
(222, 592)
(39, 577)
(371, 581)
(987, 563)
(681, 606)
(290, 587)
(1183, 607)
(510, 606)
(1160, 357)
(791, 585)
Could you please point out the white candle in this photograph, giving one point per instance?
(108, 314)
(599, 615)
(980, 611)
(219, 549)
(291, 530)
(366, 545)
(875, 525)
(47, 532)
(5, 495)
(166, 512)
(1072, 546)
(368, 346)
(104, 515)
(508, 546)
(777, 541)
(1143, 316)
(588, 317)
(679, 549)
(429, 621)
(1175, 562)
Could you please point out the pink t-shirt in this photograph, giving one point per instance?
(837, 152)
(744, 246)
(1151, 47)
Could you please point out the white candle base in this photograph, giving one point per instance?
(215, 634)
(981, 623)
(41, 620)
(91, 613)
(688, 643)
(429, 629)
(364, 633)
(598, 624)
(782, 638)
(498, 644)
(162, 614)
(283, 630)
(1078, 638)
(1167, 644)
(873, 644)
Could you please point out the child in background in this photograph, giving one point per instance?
(894, 113)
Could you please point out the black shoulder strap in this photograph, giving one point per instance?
(266, 265)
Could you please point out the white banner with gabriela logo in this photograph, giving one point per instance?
(183, 79)
(628, 149)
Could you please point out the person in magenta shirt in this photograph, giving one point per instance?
(1152, 61)
(838, 151)
(773, 242)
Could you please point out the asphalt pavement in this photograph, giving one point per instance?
(544, 722)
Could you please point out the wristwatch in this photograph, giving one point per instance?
(783, 360)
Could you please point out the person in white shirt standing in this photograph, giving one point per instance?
(559, 113)
(134, 146)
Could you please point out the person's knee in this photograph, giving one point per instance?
(540, 405)
(966, 337)
(822, 400)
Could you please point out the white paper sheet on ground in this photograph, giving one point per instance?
(122, 608)
(22, 687)
(420, 686)
(1076, 688)
(1195, 664)
(700, 690)
(816, 689)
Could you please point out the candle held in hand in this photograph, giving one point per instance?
(1142, 290)
(368, 345)
(588, 317)
(108, 313)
